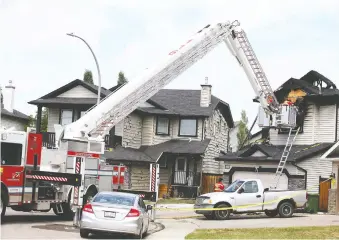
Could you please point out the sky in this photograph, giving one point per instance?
(289, 38)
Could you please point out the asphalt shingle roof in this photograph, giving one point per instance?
(14, 114)
(152, 153)
(274, 152)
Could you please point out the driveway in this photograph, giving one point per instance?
(178, 229)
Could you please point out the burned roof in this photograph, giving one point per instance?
(274, 152)
(152, 153)
(313, 84)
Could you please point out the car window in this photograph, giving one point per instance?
(234, 186)
(250, 187)
(114, 199)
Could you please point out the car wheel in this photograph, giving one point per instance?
(222, 214)
(140, 235)
(272, 213)
(2, 205)
(84, 233)
(209, 216)
(286, 210)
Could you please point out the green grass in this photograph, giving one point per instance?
(330, 232)
(176, 201)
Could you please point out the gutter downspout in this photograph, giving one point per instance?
(303, 170)
(336, 123)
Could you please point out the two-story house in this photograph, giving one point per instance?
(318, 99)
(182, 130)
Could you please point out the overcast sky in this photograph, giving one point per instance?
(290, 38)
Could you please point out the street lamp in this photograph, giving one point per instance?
(96, 62)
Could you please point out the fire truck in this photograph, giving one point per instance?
(39, 179)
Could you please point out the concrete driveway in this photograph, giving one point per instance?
(179, 228)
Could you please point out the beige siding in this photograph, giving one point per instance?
(326, 124)
(140, 177)
(147, 130)
(315, 167)
(119, 128)
(308, 135)
(78, 92)
(53, 118)
(132, 131)
(18, 125)
(289, 167)
(164, 174)
(215, 129)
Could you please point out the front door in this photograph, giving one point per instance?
(250, 196)
(324, 186)
(180, 172)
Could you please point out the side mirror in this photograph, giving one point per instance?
(241, 190)
(266, 189)
(149, 207)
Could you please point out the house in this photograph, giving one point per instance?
(182, 130)
(233, 144)
(9, 116)
(317, 98)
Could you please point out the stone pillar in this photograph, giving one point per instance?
(332, 201)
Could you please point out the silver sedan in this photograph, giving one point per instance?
(115, 212)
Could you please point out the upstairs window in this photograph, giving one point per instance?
(188, 127)
(66, 116)
(162, 126)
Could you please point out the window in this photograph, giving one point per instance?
(78, 114)
(11, 153)
(117, 199)
(162, 126)
(250, 187)
(142, 204)
(234, 186)
(66, 117)
(188, 127)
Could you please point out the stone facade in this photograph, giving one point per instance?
(132, 131)
(216, 129)
(296, 184)
(332, 202)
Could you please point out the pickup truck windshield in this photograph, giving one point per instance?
(234, 186)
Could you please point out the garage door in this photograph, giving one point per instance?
(266, 178)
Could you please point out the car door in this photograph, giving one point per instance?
(144, 213)
(248, 197)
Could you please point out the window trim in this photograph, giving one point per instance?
(66, 109)
(156, 126)
(196, 126)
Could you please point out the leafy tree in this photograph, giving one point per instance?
(121, 78)
(88, 77)
(44, 120)
(243, 130)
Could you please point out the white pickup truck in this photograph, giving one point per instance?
(249, 195)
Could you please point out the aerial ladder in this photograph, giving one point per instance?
(87, 133)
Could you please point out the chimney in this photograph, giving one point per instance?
(206, 93)
(9, 96)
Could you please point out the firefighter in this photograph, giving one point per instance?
(219, 186)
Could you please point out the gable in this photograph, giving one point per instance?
(78, 92)
(258, 154)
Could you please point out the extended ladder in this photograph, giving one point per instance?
(284, 156)
(259, 73)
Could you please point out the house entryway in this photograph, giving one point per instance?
(324, 187)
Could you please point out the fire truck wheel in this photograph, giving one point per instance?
(2, 205)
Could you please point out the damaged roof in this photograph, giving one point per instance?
(152, 153)
(309, 83)
(274, 152)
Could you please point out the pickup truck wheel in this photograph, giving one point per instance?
(272, 213)
(286, 210)
(222, 214)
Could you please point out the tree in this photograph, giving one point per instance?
(121, 78)
(44, 120)
(243, 130)
(88, 77)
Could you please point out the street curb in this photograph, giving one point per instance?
(159, 227)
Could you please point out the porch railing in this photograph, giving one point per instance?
(48, 140)
(188, 178)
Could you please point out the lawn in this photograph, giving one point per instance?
(330, 232)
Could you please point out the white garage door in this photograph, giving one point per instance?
(266, 178)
